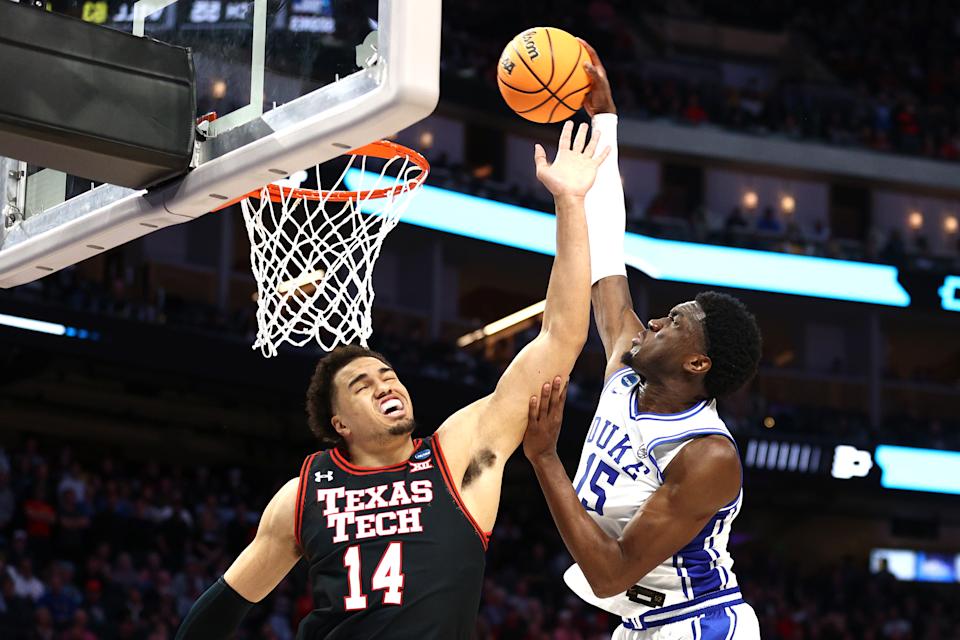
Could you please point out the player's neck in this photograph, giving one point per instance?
(382, 453)
(673, 397)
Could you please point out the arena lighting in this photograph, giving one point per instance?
(913, 469)
(29, 324)
(218, 89)
(750, 200)
(950, 293)
(950, 224)
(788, 204)
(915, 219)
(522, 228)
(503, 323)
(50, 328)
(782, 456)
(917, 565)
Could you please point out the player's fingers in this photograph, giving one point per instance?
(544, 400)
(532, 411)
(592, 147)
(593, 71)
(539, 156)
(565, 136)
(556, 404)
(581, 140)
(563, 394)
(594, 58)
(600, 157)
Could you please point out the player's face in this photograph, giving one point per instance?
(667, 344)
(370, 402)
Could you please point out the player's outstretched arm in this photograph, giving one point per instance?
(253, 575)
(606, 220)
(703, 478)
(484, 434)
(566, 316)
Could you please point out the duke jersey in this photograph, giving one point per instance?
(623, 461)
(392, 551)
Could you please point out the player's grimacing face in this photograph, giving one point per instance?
(665, 343)
(371, 401)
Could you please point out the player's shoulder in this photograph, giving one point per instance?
(711, 464)
(620, 383)
(666, 434)
(288, 491)
(280, 513)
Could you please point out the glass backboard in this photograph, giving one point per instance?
(293, 83)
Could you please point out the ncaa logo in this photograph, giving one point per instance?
(422, 455)
(629, 380)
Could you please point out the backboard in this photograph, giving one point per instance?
(294, 83)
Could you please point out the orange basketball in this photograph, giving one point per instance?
(541, 74)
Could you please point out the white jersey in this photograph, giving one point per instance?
(623, 461)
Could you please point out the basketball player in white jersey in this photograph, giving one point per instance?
(648, 516)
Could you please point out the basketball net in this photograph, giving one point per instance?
(313, 252)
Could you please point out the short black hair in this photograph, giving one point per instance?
(320, 391)
(733, 343)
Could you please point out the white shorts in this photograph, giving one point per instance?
(738, 622)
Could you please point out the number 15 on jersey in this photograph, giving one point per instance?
(599, 474)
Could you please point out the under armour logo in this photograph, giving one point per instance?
(420, 466)
(323, 475)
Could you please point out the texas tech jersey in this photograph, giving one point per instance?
(624, 458)
(392, 551)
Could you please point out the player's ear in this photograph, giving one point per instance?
(339, 427)
(697, 364)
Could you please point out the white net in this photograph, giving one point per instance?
(313, 259)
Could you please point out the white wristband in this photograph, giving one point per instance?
(604, 205)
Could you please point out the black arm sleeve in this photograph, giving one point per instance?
(215, 615)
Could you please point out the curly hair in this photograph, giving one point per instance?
(733, 343)
(321, 390)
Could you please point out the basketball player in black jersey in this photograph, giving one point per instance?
(394, 529)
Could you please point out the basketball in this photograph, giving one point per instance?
(541, 74)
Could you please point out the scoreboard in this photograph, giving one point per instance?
(886, 466)
(298, 16)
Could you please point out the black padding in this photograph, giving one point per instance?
(93, 101)
(215, 615)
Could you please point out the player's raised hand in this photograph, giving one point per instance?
(600, 98)
(573, 170)
(544, 420)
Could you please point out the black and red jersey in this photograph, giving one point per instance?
(392, 551)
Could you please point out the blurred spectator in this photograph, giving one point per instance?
(61, 604)
(25, 584)
(768, 222)
(79, 629)
(74, 522)
(736, 221)
(7, 501)
(693, 112)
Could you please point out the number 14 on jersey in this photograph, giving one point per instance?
(388, 577)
